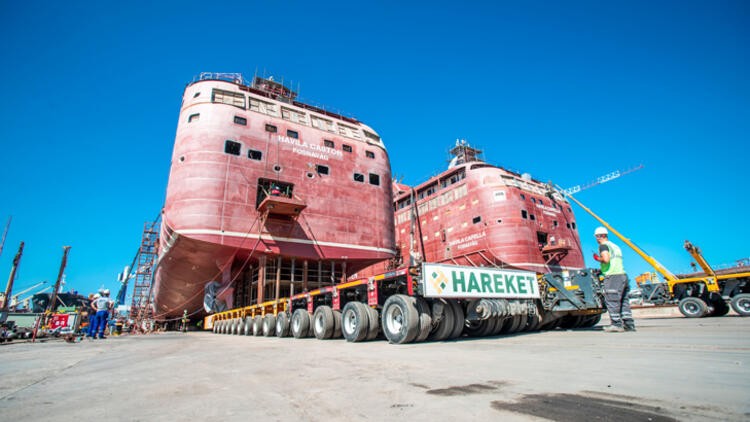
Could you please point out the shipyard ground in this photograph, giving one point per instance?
(670, 369)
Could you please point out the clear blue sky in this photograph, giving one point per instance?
(566, 91)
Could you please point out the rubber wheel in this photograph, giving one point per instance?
(282, 325)
(355, 322)
(570, 322)
(374, 323)
(400, 319)
(300, 323)
(336, 324)
(518, 321)
(693, 307)
(445, 326)
(323, 322)
(458, 319)
(720, 306)
(224, 326)
(269, 325)
(474, 328)
(240, 328)
(248, 325)
(214, 329)
(425, 319)
(591, 320)
(257, 325)
(741, 304)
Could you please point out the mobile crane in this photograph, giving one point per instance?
(707, 294)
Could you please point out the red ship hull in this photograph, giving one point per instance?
(254, 174)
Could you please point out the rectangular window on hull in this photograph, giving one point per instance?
(268, 187)
(194, 117)
(321, 169)
(271, 128)
(374, 179)
(346, 148)
(370, 154)
(232, 147)
(328, 143)
(524, 214)
(240, 120)
(254, 154)
(228, 97)
(358, 177)
(292, 134)
(476, 220)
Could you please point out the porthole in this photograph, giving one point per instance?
(277, 168)
(310, 175)
(182, 158)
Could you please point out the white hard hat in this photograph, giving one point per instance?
(600, 230)
(97, 296)
(106, 292)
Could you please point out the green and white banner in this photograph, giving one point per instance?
(453, 281)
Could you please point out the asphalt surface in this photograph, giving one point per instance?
(670, 369)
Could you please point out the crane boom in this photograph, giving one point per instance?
(599, 180)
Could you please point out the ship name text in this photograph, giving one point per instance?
(310, 150)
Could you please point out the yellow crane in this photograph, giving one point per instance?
(702, 295)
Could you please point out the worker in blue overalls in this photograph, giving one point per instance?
(102, 305)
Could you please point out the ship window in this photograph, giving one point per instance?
(533, 200)
(231, 147)
(370, 154)
(240, 120)
(476, 219)
(532, 217)
(371, 136)
(271, 128)
(196, 94)
(554, 223)
(523, 196)
(194, 117)
(358, 177)
(328, 143)
(573, 225)
(569, 210)
(346, 148)
(254, 154)
(228, 97)
(541, 202)
(374, 179)
(524, 214)
(268, 187)
(321, 169)
(567, 225)
(292, 134)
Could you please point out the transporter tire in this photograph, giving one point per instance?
(571, 321)
(591, 320)
(336, 324)
(269, 325)
(741, 304)
(693, 307)
(282, 325)
(355, 322)
(300, 324)
(719, 305)
(248, 325)
(223, 327)
(446, 325)
(458, 319)
(425, 319)
(239, 327)
(473, 328)
(400, 319)
(374, 323)
(323, 322)
(214, 329)
(257, 325)
(518, 322)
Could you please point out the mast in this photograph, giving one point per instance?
(9, 288)
(5, 233)
(53, 299)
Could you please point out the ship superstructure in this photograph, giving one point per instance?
(481, 215)
(267, 190)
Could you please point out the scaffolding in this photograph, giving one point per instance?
(141, 310)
